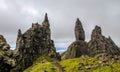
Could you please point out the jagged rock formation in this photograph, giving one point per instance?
(99, 45)
(79, 31)
(3, 44)
(6, 62)
(78, 47)
(35, 42)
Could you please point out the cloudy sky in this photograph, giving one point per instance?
(20, 14)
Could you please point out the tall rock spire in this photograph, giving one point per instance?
(46, 18)
(19, 33)
(78, 47)
(35, 42)
(46, 27)
(45, 23)
(19, 42)
(79, 31)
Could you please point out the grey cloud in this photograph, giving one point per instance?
(62, 15)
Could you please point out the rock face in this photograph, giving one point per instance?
(79, 32)
(35, 42)
(99, 45)
(78, 47)
(6, 62)
(3, 44)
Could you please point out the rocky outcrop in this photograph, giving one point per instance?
(6, 62)
(79, 31)
(35, 42)
(3, 44)
(99, 45)
(78, 47)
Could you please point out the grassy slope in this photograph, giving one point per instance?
(41, 67)
(75, 65)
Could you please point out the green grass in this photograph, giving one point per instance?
(71, 65)
(75, 65)
(103, 69)
(115, 67)
(112, 68)
(1, 52)
(41, 58)
(41, 67)
(78, 64)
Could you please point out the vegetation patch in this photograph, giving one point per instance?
(42, 64)
(82, 64)
(1, 52)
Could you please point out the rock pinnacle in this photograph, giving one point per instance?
(79, 32)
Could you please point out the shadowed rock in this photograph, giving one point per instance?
(79, 32)
(46, 18)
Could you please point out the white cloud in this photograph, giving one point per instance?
(3, 5)
(63, 43)
(30, 11)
